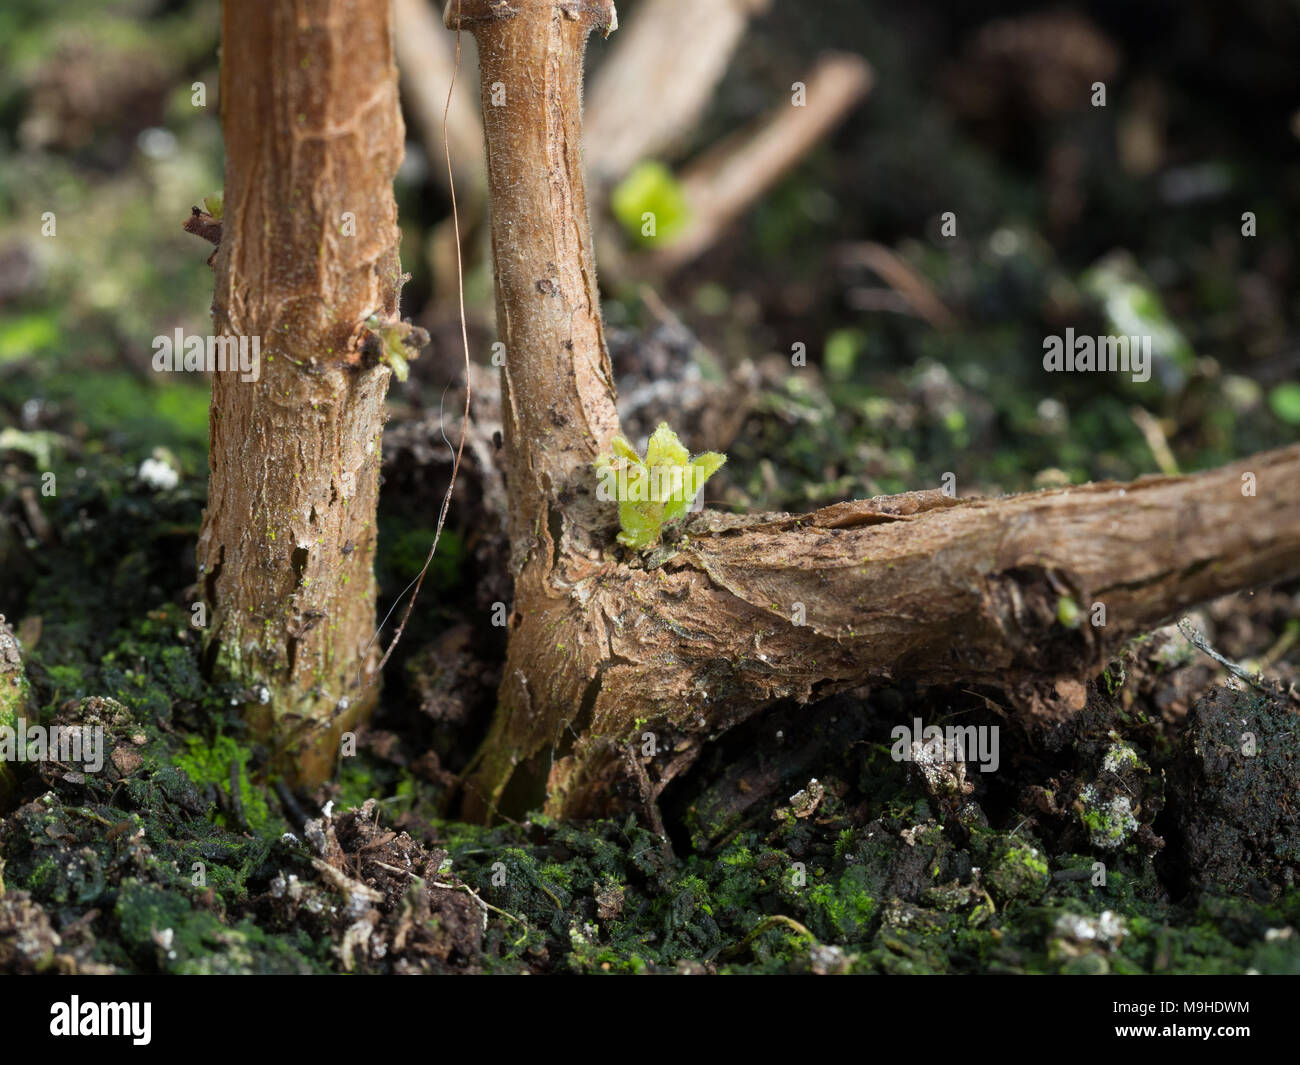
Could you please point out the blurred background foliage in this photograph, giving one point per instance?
(1122, 218)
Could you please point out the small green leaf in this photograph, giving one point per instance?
(401, 369)
(393, 336)
(624, 449)
(1285, 401)
(702, 467)
(657, 489)
(1067, 612)
(650, 189)
(842, 348)
(664, 449)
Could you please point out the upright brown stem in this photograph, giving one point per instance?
(309, 251)
(558, 396)
(557, 389)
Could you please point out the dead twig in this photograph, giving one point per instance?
(734, 175)
(659, 78)
(427, 63)
(1197, 640)
(915, 291)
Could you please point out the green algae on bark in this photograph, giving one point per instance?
(15, 696)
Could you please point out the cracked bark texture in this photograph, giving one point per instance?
(916, 587)
(312, 132)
